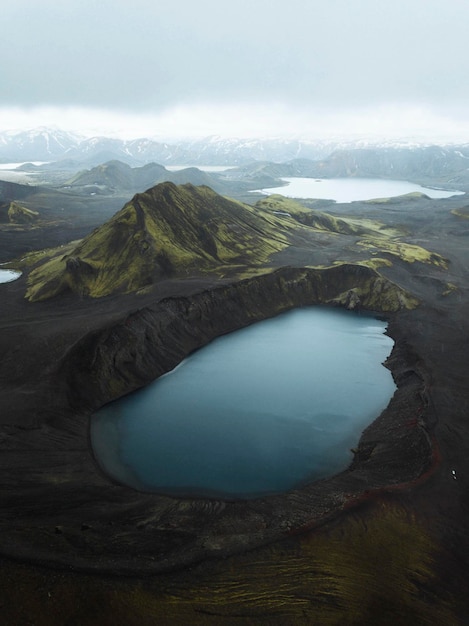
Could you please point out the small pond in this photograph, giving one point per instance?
(7, 276)
(258, 411)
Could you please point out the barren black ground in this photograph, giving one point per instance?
(383, 542)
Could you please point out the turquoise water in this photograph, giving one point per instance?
(258, 411)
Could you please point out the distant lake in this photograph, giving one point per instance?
(13, 166)
(258, 411)
(9, 173)
(7, 276)
(352, 189)
(204, 168)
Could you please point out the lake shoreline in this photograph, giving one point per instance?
(278, 438)
(354, 189)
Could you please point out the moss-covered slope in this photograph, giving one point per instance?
(16, 213)
(370, 234)
(166, 231)
(319, 220)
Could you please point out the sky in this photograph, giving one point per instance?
(237, 68)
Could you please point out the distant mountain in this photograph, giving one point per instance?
(259, 159)
(117, 177)
(95, 145)
(208, 151)
(232, 151)
(433, 163)
(45, 144)
(39, 144)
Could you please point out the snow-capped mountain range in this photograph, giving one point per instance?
(45, 144)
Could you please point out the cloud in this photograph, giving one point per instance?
(247, 120)
(163, 60)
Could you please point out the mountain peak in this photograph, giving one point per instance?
(168, 231)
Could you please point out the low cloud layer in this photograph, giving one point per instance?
(197, 60)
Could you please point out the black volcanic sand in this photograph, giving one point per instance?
(384, 542)
(63, 216)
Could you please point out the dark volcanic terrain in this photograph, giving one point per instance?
(383, 542)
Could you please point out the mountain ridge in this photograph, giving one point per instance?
(118, 176)
(45, 144)
(166, 231)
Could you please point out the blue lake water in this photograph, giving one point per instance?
(258, 411)
(7, 276)
(352, 189)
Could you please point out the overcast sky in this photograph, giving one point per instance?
(173, 68)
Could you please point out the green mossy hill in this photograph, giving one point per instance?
(461, 212)
(370, 234)
(115, 176)
(167, 231)
(279, 205)
(15, 213)
(406, 197)
(118, 175)
(408, 252)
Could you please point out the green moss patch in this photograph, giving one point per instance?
(410, 253)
